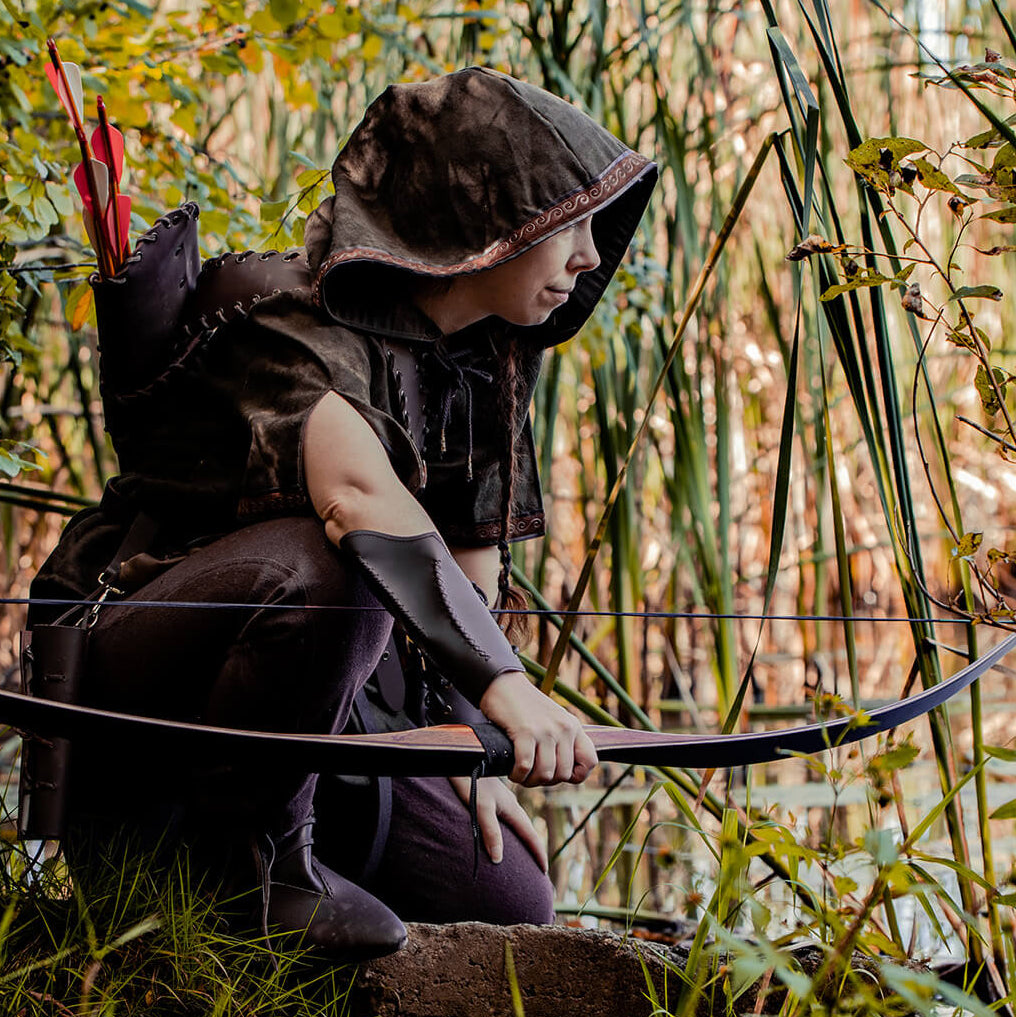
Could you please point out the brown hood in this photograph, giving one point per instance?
(469, 170)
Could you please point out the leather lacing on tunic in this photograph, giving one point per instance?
(459, 376)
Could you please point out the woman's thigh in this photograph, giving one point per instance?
(427, 871)
(266, 624)
(290, 656)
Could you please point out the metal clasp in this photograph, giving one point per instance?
(106, 582)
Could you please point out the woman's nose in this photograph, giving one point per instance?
(584, 257)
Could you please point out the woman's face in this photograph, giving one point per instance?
(529, 288)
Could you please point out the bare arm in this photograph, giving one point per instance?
(353, 487)
(350, 481)
(482, 565)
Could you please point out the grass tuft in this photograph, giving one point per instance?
(138, 931)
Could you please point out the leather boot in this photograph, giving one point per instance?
(318, 908)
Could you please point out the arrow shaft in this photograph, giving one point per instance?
(114, 182)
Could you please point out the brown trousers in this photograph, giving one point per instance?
(292, 659)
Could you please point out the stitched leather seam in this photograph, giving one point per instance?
(459, 627)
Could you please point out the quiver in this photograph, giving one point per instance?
(164, 306)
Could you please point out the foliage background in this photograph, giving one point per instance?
(241, 107)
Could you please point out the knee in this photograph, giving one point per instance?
(516, 891)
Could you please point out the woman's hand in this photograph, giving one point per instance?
(550, 745)
(495, 803)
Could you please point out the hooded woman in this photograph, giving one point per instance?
(351, 432)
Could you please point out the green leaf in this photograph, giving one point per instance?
(981, 140)
(1005, 158)
(215, 223)
(844, 885)
(868, 153)
(285, 12)
(934, 179)
(12, 461)
(311, 177)
(61, 198)
(997, 752)
(1006, 811)
(985, 390)
(896, 758)
(866, 277)
(968, 545)
(1004, 215)
(961, 337)
(18, 192)
(272, 211)
(881, 845)
(987, 292)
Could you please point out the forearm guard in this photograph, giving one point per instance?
(422, 586)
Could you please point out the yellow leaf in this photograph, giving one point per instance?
(252, 56)
(371, 47)
(332, 26)
(185, 120)
(302, 95)
(79, 305)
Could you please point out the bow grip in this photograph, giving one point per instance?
(500, 753)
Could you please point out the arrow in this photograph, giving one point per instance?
(456, 749)
(68, 87)
(107, 142)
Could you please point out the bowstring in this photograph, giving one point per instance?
(690, 615)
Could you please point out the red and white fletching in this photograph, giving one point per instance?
(73, 101)
(123, 218)
(100, 174)
(114, 157)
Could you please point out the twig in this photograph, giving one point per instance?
(988, 434)
(45, 997)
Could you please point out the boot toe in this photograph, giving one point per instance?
(342, 921)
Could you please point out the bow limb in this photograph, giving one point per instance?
(651, 748)
(452, 750)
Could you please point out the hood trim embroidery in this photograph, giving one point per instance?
(624, 171)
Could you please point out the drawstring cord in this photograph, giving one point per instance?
(474, 818)
(461, 375)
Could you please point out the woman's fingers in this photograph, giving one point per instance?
(515, 816)
(495, 804)
(545, 766)
(525, 757)
(550, 745)
(490, 828)
(585, 758)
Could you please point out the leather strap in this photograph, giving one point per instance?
(384, 798)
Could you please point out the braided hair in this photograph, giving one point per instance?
(511, 598)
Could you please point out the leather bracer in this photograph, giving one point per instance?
(422, 586)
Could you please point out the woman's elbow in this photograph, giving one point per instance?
(345, 508)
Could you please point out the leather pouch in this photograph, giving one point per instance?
(52, 663)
